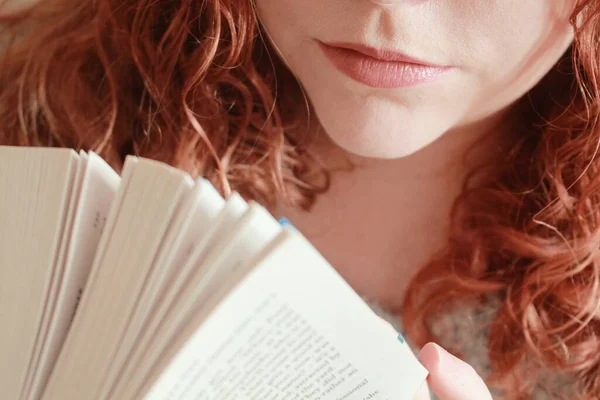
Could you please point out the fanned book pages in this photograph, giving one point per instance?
(150, 285)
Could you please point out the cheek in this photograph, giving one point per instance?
(516, 50)
(285, 19)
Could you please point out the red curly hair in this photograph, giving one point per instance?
(193, 84)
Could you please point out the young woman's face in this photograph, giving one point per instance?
(388, 77)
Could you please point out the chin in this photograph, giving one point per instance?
(369, 149)
(385, 141)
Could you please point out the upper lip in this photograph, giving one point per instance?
(382, 54)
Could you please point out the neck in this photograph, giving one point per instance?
(393, 214)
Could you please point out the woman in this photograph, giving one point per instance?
(441, 154)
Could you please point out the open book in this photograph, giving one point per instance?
(151, 285)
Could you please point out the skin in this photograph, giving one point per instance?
(407, 143)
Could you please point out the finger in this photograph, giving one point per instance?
(450, 378)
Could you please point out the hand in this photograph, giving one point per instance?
(450, 378)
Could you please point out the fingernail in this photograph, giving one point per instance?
(434, 356)
(448, 359)
(401, 338)
(284, 222)
(429, 356)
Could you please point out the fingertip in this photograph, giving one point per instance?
(429, 356)
(450, 377)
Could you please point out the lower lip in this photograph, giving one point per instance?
(378, 73)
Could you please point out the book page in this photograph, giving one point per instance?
(98, 189)
(180, 232)
(256, 229)
(50, 303)
(293, 329)
(189, 228)
(220, 227)
(119, 271)
(35, 190)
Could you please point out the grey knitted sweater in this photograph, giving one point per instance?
(465, 330)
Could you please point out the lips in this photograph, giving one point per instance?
(379, 68)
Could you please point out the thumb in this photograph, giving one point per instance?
(450, 378)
